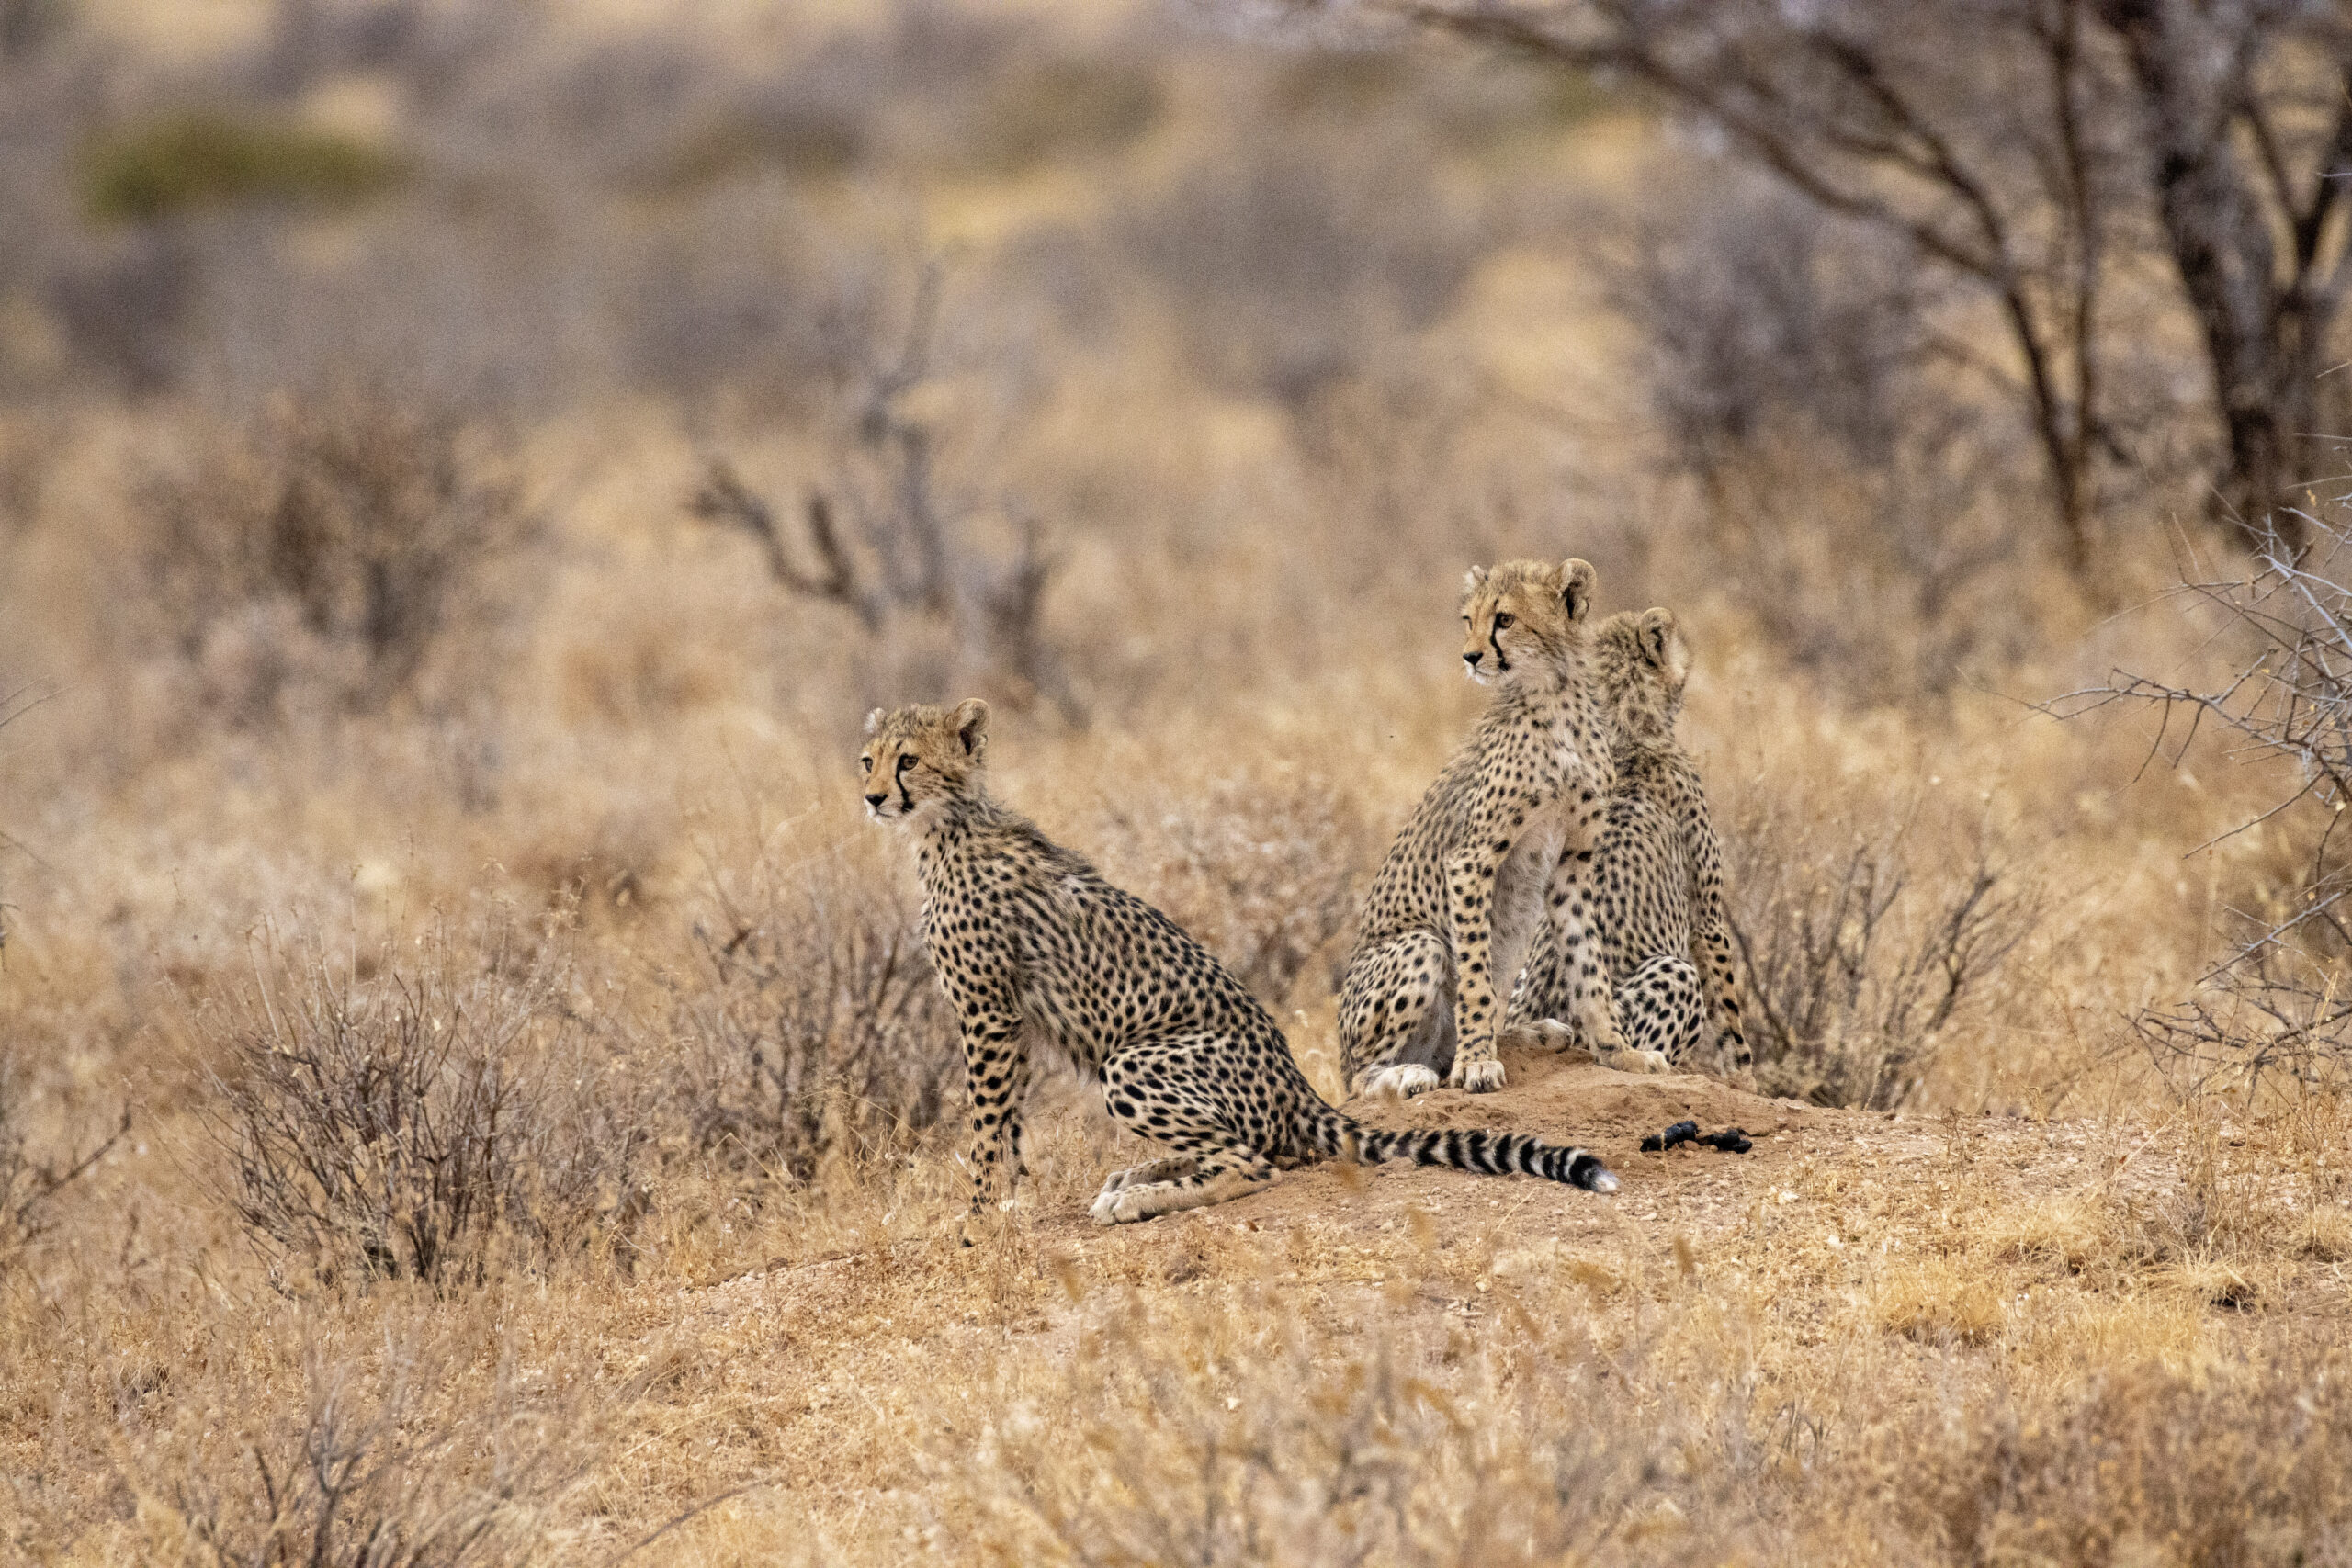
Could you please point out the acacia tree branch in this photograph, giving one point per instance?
(1804, 144)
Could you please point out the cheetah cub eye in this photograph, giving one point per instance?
(1502, 621)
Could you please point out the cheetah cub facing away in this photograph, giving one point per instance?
(1036, 951)
(1658, 893)
(1500, 846)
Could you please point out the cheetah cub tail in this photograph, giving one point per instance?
(1336, 1137)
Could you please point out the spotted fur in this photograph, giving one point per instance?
(1657, 895)
(1503, 838)
(1036, 952)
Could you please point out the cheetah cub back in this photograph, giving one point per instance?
(1037, 953)
(1657, 899)
(1499, 848)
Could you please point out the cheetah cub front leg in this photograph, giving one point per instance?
(1593, 1002)
(1396, 1018)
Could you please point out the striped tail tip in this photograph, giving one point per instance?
(1589, 1173)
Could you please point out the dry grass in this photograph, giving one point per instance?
(542, 1117)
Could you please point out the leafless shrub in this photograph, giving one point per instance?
(732, 295)
(1333, 1453)
(1803, 378)
(910, 552)
(30, 1187)
(2279, 1002)
(818, 1027)
(123, 307)
(336, 544)
(1758, 315)
(1263, 869)
(1859, 950)
(371, 1474)
(1285, 265)
(406, 1120)
(2217, 1469)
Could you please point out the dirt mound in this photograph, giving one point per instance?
(1568, 1097)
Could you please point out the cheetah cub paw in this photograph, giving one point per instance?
(1478, 1077)
(1131, 1205)
(1544, 1034)
(1632, 1061)
(1401, 1081)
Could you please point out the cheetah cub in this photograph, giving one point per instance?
(1036, 952)
(1502, 841)
(1658, 893)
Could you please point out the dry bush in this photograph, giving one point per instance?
(1232, 1431)
(1262, 867)
(331, 548)
(1233, 1434)
(817, 1027)
(1759, 314)
(1286, 263)
(2147, 1466)
(373, 1472)
(2278, 1002)
(1800, 373)
(1862, 942)
(886, 540)
(409, 1117)
(30, 1187)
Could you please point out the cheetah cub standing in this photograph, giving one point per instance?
(1036, 951)
(1504, 837)
(1658, 892)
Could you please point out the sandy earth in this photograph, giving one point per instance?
(833, 1369)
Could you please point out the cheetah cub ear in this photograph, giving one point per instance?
(1472, 579)
(972, 726)
(1576, 579)
(874, 723)
(1662, 647)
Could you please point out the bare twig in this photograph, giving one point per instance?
(2277, 1002)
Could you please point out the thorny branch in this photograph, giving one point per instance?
(2278, 1000)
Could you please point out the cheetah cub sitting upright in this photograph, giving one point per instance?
(1036, 951)
(1658, 891)
(1503, 838)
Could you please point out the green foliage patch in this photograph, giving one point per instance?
(203, 158)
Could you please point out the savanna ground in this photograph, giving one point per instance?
(468, 1090)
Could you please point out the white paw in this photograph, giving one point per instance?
(1478, 1077)
(1135, 1204)
(1631, 1061)
(1401, 1081)
(1544, 1034)
(1106, 1208)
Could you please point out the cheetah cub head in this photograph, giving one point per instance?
(918, 756)
(1523, 616)
(1640, 663)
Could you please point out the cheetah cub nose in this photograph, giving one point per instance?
(874, 799)
(1472, 659)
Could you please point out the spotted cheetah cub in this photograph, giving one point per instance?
(1657, 896)
(1503, 838)
(1036, 952)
